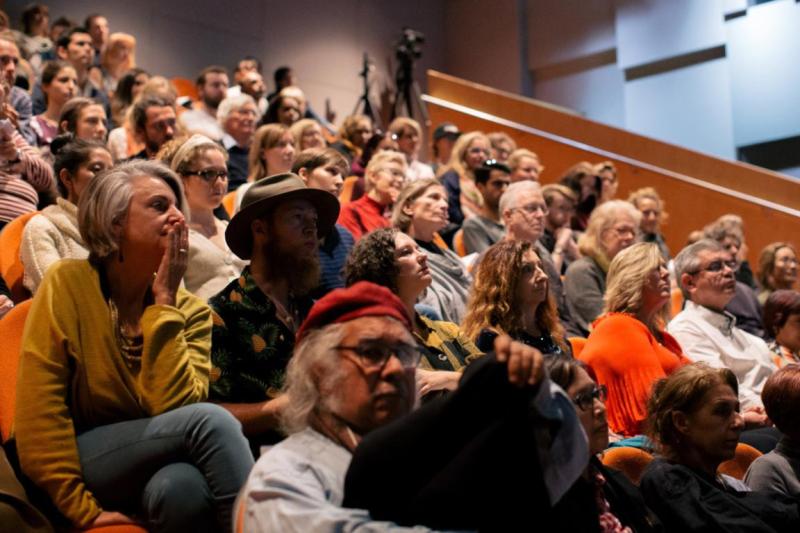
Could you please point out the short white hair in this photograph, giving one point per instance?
(232, 103)
(510, 197)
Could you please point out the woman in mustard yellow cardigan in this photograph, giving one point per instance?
(115, 361)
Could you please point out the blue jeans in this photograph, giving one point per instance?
(179, 471)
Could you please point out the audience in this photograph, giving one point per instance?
(650, 205)
(607, 172)
(59, 83)
(637, 310)
(324, 169)
(777, 269)
(728, 230)
(587, 187)
(114, 362)
(308, 134)
(420, 211)
(201, 164)
(558, 237)
(694, 417)
(25, 175)
(444, 138)
(409, 136)
(238, 116)
(384, 179)
(463, 199)
(510, 296)
(502, 146)
(53, 234)
(524, 165)
(16, 99)
(84, 118)
(708, 334)
(257, 315)
(285, 109)
(486, 228)
(392, 259)
(779, 470)
(612, 227)
(620, 506)
(782, 324)
(212, 85)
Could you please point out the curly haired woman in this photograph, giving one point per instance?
(510, 297)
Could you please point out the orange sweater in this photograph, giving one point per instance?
(626, 358)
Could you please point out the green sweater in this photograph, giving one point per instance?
(72, 376)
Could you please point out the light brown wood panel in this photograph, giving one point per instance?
(689, 206)
(735, 175)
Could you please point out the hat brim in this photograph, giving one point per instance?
(238, 234)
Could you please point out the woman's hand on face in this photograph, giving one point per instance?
(173, 265)
(109, 518)
(433, 380)
(525, 364)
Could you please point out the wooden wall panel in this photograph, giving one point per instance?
(689, 206)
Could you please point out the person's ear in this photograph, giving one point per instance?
(63, 125)
(62, 53)
(65, 178)
(687, 282)
(408, 209)
(680, 421)
(303, 173)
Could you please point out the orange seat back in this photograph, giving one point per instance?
(676, 300)
(10, 264)
(629, 461)
(458, 243)
(11, 328)
(346, 196)
(229, 203)
(185, 87)
(737, 467)
(118, 528)
(577, 344)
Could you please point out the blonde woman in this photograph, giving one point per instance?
(524, 165)
(651, 206)
(272, 152)
(307, 134)
(118, 57)
(384, 178)
(463, 197)
(201, 164)
(612, 227)
(409, 134)
(628, 349)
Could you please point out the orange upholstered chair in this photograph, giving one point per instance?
(577, 344)
(185, 87)
(629, 461)
(737, 467)
(458, 243)
(676, 300)
(116, 529)
(11, 327)
(346, 195)
(229, 203)
(10, 264)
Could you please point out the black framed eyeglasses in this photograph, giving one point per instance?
(211, 175)
(718, 266)
(585, 400)
(374, 354)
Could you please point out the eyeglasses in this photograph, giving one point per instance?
(210, 175)
(373, 355)
(585, 400)
(717, 266)
(533, 208)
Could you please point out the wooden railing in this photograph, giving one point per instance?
(696, 187)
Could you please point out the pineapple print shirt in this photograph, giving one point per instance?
(250, 346)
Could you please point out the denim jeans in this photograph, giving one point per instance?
(178, 471)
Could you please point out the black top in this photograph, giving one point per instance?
(544, 343)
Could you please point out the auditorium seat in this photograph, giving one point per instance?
(458, 243)
(11, 327)
(629, 461)
(737, 467)
(229, 203)
(185, 87)
(347, 189)
(577, 344)
(10, 264)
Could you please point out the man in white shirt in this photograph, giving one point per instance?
(212, 87)
(708, 334)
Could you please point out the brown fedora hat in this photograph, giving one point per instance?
(267, 193)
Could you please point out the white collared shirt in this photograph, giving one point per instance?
(712, 337)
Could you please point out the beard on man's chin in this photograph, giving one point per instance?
(302, 271)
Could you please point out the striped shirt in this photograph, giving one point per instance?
(21, 183)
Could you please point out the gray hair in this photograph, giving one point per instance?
(602, 218)
(315, 364)
(688, 262)
(509, 198)
(107, 198)
(231, 104)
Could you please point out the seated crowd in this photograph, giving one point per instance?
(238, 315)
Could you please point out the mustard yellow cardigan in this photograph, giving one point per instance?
(72, 376)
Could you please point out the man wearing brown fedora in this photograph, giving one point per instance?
(256, 315)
